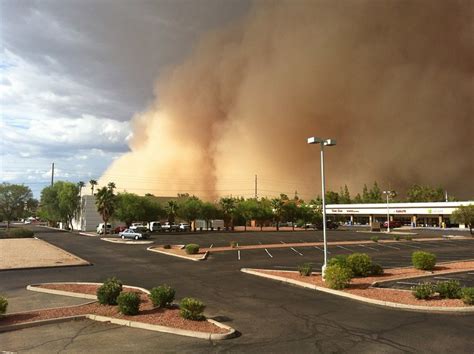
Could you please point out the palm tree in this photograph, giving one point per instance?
(93, 183)
(105, 202)
(81, 185)
(111, 185)
(172, 209)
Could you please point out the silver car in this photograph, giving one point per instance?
(133, 234)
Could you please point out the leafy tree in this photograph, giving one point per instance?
(358, 199)
(375, 194)
(60, 202)
(262, 211)
(365, 194)
(128, 208)
(190, 209)
(464, 215)
(208, 212)
(81, 185)
(246, 209)
(31, 207)
(105, 202)
(344, 196)
(277, 208)
(93, 183)
(418, 193)
(291, 212)
(228, 206)
(332, 197)
(172, 210)
(152, 209)
(13, 199)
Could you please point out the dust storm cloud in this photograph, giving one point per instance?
(391, 81)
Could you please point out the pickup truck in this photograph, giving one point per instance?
(169, 226)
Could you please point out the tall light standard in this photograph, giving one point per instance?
(388, 194)
(323, 143)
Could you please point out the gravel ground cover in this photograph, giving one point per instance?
(363, 286)
(164, 317)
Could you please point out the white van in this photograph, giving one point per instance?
(100, 228)
(154, 226)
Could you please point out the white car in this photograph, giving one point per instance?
(183, 227)
(100, 228)
(133, 234)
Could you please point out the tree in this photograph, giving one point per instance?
(332, 197)
(358, 199)
(172, 210)
(344, 195)
(105, 202)
(13, 199)
(60, 202)
(245, 209)
(228, 206)
(375, 194)
(418, 193)
(262, 211)
(128, 208)
(190, 209)
(152, 209)
(93, 183)
(81, 185)
(464, 215)
(277, 208)
(291, 212)
(365, 194)
(208, 212)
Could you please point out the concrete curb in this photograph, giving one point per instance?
(87, 234)
(202, 258)
(134, 324)
(124, 242)
(67, 252)
(361, 298)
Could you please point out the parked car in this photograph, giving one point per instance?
(183, 226)
(331, 225)
(134, 234)
(136, 225)
(169, 226)
(393, 224)
(100, 228)
(155, 226)
(119, 229)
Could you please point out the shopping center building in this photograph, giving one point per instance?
(413, 214)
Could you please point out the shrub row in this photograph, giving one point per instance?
(3, 305)
(110, 293)
(450, 289)
(18, 233)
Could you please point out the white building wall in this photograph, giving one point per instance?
(88, 218)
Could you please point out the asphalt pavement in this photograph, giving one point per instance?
(271, 316)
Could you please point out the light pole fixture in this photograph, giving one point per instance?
(388, 195)
(323, 143)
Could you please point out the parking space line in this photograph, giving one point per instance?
(404, 244)
(321, 249)
(470, 273)
(395, 248)
(296, 251)
(211, 246)
(369, 248)
(406, 283)
(447, 278)
(282, 242)
(344, 248)
(238, 254)
(268, 253)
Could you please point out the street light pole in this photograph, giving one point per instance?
(323, 142)
(388, 194)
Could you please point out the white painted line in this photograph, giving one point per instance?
(369, 248)
(268, 253)
(282, 242)
(296, 251)
(404, 244)
(211, 245)
(344, 248)
(447, 278)
(321, 249)
(238, 254)
(406, 283)
(395, 248)
(470, 273)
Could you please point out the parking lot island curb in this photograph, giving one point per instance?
(231, 332)
(360, 298)
(127, 242)
(189, 258)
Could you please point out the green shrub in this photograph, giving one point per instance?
(191, 309)
(360, 264)
(337, 277)
(408, 238)
(108, 293)
(467, 296)
(167, 247)
(375, 238)
(233, 244)
(396, 237)
(305, 269)
(423, 291)
(129, 303)
(340, 260)
(162, 296)
(450, 289)
(192, 248)
(3, 305)
(423, 260)
(376, 269)
(19, 233)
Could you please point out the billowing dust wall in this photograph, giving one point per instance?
(392, 81)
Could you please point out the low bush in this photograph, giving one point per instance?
(167, 247)
(450, 289)
(375, 238)
(162, 296)
(192, 248)
(396, 237)
(18, 233)
(233, 244)
(408, 238)
(360, 264)
(305, 269)
(129, 303)
(3, 305)
(467, 296)
(337, 277)
(423, 291)
(108, 293)
(376, 269)
(191, 309)
(423, 260)
(340, 260)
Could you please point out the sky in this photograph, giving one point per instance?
(73, 74)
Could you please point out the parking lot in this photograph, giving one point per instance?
(464, 278)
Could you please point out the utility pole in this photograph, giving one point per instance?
(256, 193)
(52, 174)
